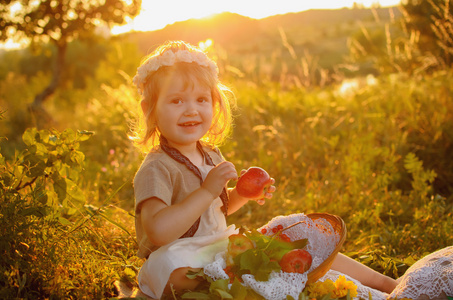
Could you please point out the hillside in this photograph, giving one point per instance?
(327, 17)
(323, 33)
(225, 29)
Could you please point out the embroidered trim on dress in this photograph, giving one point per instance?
(179, 157)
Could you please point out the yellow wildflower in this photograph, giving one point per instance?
(336, 290)
(342, 286)
(319, 289)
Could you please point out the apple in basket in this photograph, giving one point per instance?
(296, 261)
(239, 243)
(253, 183)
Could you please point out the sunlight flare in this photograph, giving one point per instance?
(154, 18)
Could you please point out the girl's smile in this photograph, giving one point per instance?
(184, 111)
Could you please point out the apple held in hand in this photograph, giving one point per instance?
(253, 183)
(239, 243)
(296, 261)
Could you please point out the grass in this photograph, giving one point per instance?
(377, 154)
(357, 156)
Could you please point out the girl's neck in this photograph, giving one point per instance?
(191, 152)
(195, 157)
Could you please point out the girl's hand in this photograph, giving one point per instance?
(218, 178)
(267, 195)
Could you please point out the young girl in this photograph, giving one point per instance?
(180, 189)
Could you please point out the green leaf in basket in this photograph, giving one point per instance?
(300, 244)
(194, 274)
(220, 288)
(223, 294)
(195, 295)
(238, 291)
(263, 273)
(221, 284)
(250, 260)
(257, 263)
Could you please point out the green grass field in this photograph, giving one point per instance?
(377, 152)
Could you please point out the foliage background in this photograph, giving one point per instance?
(366, 134)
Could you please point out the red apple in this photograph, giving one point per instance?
(239, 243)
(296, 261)
(253, 183)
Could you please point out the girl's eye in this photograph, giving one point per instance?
(203, 100)
(176, 101)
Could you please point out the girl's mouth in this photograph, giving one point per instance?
(189, 124)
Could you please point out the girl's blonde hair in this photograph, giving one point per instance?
(193, 65)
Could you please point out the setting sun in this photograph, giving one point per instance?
(154, 17)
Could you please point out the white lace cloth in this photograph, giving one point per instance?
(430, 276)
(321, 243)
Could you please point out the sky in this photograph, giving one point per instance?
(156, 16)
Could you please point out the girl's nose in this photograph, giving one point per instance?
(191, 109)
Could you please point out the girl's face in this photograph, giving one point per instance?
(184, 111)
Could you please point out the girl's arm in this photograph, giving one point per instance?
(163, 224)
(235, 201)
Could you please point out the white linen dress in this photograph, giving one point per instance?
(196, 252)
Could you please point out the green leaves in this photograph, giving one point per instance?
(47, 172)
(40, 198)
(54, 157)
(219, 289)
(412, 163)
(196, 295)
(53, 245)
(238, 291)
(257, 263)
(264, 259)
(422, 179)
(260, 262)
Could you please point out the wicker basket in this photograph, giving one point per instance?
(340, 227)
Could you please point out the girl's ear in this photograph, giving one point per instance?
(145, 106)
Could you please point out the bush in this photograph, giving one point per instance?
(52, 244)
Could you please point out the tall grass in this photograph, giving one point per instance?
(377, 154)
(355, 156)
(397, 46)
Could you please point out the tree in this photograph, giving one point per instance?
(60, 22)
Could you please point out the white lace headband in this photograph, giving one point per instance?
(169, 58)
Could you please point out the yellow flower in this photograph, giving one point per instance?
(342, 286)
(337, 289)
(319, 289)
